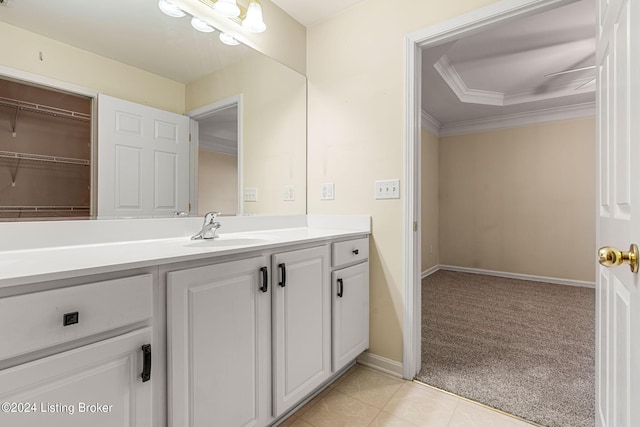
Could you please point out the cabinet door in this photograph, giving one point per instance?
(301, 324)
(350, 290)
(219, 345)
(97, 385)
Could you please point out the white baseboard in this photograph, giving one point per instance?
(380, 363)
(553, 280)
(430, 271)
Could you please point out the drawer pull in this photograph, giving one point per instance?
(265, 279)
(340, 288)
(70, 318)
(355, 251)
(146, 367)
(283, 272)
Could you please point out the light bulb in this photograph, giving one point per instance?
(227, 8)
(170, 9)
(253, 22)
(201, 26)
(228, 40)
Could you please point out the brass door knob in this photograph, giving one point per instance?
(612, 257)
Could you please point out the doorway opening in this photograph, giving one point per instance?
(440, 39)
(216, 154)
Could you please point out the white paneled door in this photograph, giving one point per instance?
(143, 167)
(618, 289)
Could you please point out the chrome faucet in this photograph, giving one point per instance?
(209, 228)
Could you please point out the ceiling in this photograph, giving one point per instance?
(219, 131)
(311, 12)
(501, 71)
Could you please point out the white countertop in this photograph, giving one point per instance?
(51, 262)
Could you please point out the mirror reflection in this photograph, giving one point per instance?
(195, 73)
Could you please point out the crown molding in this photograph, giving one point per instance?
(430, 123)
(548, 115)
(452, 78)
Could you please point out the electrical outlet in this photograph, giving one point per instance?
(288, 195)
(251, 194)
(327, 191)
(388, 189)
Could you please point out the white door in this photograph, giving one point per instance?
(97, 385)
(301, 325)
(143, 167)
(618, 289)
(219, 345)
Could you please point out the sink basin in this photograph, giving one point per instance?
(226, 241)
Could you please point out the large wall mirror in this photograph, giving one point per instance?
(249, 110)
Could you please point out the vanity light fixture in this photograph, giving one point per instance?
(228, 40)
(201, 26)
(228, 8)
(253, 20)
(170, 9)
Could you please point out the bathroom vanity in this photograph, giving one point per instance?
(130, 322)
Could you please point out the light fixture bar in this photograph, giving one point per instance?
(238, 19)
(590, 67)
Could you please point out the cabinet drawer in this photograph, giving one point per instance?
(349, 251)
(35, 321)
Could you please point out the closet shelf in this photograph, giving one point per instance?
(17, 209)
(44, 109)
(43, 158)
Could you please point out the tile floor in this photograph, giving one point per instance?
(365, 397)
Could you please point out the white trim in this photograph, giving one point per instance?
(554, 280)
(429, 271)
(548, 115)
(463, 25)
(465, 94)
(202, 112)
(452, 78)
(47, 81)
(430, 123)
(380, 363)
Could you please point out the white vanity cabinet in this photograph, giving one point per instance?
(219, 343)
(350, 301)
(301, 325)
(100, 383)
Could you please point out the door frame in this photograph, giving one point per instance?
(461, 26)
(201, 113)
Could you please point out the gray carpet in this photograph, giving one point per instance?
(526, 348)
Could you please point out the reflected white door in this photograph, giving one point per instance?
(618, 289)
(143, 160)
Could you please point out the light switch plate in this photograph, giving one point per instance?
(288, 195)
(327, 191)
(388, 189)
(251, 194)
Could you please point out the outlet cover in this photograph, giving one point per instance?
(388, 189)
(327, 191)
(288, 195)
(251, 194)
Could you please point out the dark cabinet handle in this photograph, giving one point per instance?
(70, 318)
(146, 367)
(265, 279)
(355, 251)
(283, 273)
(340, 288)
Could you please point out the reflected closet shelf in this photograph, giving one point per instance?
(43, 158)
(44, 109)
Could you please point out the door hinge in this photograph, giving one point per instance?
(189, 206)
(189, 137)
(415, 225)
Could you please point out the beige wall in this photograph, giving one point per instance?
(217, 182)
(273, 117)
(430, 205)
(520, 200)
(356, 72)
(69, 64)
